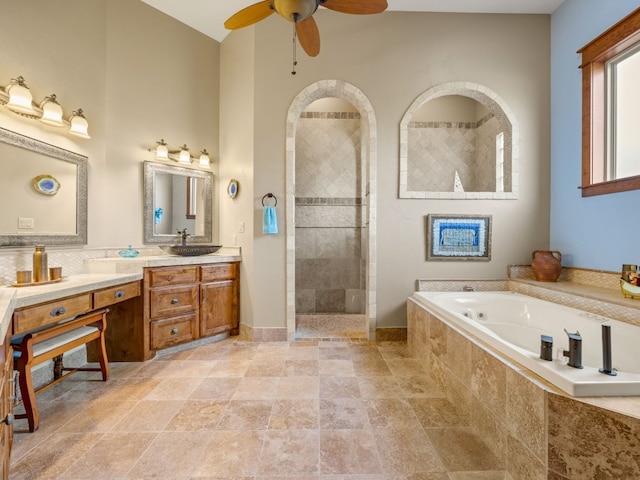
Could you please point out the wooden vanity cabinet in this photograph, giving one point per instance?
(219, 297)
(186, 302)
(7, 395)
(172, 307)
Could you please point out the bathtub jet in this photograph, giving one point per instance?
(513, 325)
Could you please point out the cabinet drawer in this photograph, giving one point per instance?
(110, 296)
(166, 302)
(163, 277)
(48, 313)
(173, 331)
(222, 271)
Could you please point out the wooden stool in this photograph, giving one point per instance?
(36, 347)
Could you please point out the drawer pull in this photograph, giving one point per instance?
(119, 294)
(9, 419)
(58, 311)
(174, 330)
(174, 301)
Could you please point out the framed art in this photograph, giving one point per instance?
(458, 237)
(232, 188)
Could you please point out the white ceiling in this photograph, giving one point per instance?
(208, 16)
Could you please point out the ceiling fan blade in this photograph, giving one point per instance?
(249, 15)
(308, 36)
(359, 7)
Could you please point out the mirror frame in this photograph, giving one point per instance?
(150, 169)
(495, 105)
(80, 237)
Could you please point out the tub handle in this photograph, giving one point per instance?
(546, 347)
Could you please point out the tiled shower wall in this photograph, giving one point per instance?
(330, 206)
(438, 149)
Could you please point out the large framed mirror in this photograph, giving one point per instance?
(176, 198)
(458, 140)
(43, 190)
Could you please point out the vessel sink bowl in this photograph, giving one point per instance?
(192, 250)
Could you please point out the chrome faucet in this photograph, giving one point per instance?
(575, 349)
(467, 288)
(183, 236)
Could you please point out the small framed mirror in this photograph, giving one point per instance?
(176, 198)
(44, 191)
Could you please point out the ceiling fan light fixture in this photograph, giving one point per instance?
(295, 10)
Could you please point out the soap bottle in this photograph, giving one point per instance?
(40, 268)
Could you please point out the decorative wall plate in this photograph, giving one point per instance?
(232, 189)
(46, 184)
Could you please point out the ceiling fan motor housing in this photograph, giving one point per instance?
(295, 10)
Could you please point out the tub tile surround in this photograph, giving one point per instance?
(536, 430)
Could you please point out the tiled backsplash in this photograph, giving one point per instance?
(71, 260)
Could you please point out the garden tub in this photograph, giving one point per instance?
(512, 324)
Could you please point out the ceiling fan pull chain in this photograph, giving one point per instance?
(295, 62)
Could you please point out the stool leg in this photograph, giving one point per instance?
(58, 367)
(102, 357)
(28, 396)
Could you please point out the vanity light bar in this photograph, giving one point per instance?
(17, 97)
(182, 155)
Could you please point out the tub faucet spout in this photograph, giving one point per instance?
(606, 352)
(575, 349)
(467, 288)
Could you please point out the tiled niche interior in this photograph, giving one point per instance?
(330, 229)
(446, 154)
(437, 151)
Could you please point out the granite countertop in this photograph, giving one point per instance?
(137, 264)
(101, 273)
(12, 297)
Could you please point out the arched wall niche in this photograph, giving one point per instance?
(432, 144)
(351, 94)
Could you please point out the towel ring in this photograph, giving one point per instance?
(270, 195)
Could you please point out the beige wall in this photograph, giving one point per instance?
(141, 76)
(237, 149)
(393, 58)
(138, 75)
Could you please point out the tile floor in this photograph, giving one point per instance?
(296, 410)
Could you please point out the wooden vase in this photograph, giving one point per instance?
(546, 265)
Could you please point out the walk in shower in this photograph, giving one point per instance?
(331, 192)
(330, 222)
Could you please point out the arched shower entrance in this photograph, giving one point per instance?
(367, 152)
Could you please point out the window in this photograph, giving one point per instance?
(610, 100)
(623, 105)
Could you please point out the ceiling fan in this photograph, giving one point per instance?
(300, 12)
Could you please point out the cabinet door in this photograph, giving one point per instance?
(7, 391)
(219, 307)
